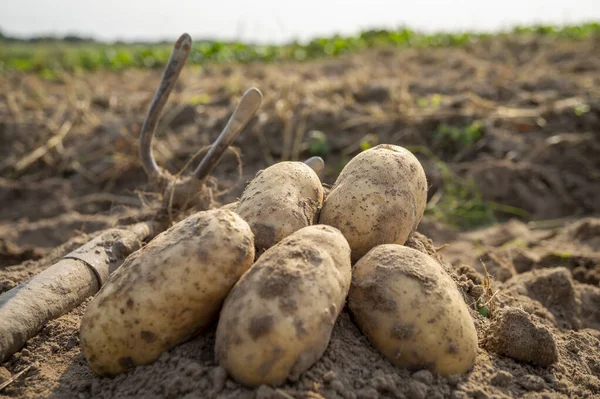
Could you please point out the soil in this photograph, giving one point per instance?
(69, 168)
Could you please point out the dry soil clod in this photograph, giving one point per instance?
(512, 333)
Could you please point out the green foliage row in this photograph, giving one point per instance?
(48, 57)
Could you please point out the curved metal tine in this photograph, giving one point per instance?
(316, 163)
(181, 50)
(243, 113)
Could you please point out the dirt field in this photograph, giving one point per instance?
(520, 116)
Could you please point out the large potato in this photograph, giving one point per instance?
(166, 291)
(411, 310)
(277, 320)
(280, 200)
(378, 198)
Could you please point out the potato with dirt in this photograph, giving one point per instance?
(378, 198)
(412, 311)
(166, 292)
(280, 200)
(277, 320)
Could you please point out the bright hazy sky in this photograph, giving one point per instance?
(276, 20)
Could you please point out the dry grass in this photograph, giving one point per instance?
(356, 101)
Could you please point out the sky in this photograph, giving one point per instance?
(276, 21)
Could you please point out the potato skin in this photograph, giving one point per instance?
(280, 200)
(232, 206)
(277, 320)
(378, 198)
(411, 310)
(167, 291)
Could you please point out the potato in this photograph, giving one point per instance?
(277, 320)
(378, 198)
(411, 310)
(280, 200)
(232, 206)
(167, 291)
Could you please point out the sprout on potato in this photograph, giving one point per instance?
(412, 311)
(277, 320)
(280, 200)
(165, 292)
(378, 198)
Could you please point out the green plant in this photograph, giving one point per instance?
(318, 145)
(369, 141)
(581, 109)
(433, 101)
(486, 303)
(561, 255)
(459, 201)
(458, 136)
(69, 54)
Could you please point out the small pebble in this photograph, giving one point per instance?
(230, 384)
(416, 390)
(423, 376)
(329, 376)
(359, 383)
(337, 386)
(383, 383)
(194, 370)
(265, 392)
(435, 395)
(219, 377)
(84, 386)
(367, 393)
(502, 378)
(532, 382)
(550, 378)
(453, 380)
(164, 357)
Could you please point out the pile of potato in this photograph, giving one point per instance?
(275, 270)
